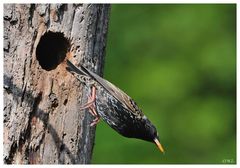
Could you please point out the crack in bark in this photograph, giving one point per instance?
(31, 13)
(13, 149)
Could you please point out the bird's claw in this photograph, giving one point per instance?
(90, 104)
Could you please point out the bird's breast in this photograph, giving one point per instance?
(115, 114)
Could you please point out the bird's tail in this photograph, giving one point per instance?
(72, 68)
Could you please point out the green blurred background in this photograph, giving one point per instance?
(178, 62)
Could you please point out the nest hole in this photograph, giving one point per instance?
(52, 50)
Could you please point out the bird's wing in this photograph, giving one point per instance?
(121, 96)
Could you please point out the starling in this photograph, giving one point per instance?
(115, 107)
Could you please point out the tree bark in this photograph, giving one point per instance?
(43, 123)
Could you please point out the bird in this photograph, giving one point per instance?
(115, 107)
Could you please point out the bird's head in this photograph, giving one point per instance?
(151, 135)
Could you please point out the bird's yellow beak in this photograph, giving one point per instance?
(159, 145)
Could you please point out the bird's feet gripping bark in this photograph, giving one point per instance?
(91, 106)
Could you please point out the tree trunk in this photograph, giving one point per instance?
(43, 123)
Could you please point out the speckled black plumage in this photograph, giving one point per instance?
(123, 120)
(116, 108)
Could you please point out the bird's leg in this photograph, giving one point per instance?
(90, 104)
(92, 111)
(97, 119)
(91, 99)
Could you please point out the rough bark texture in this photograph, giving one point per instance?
(42, 120)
